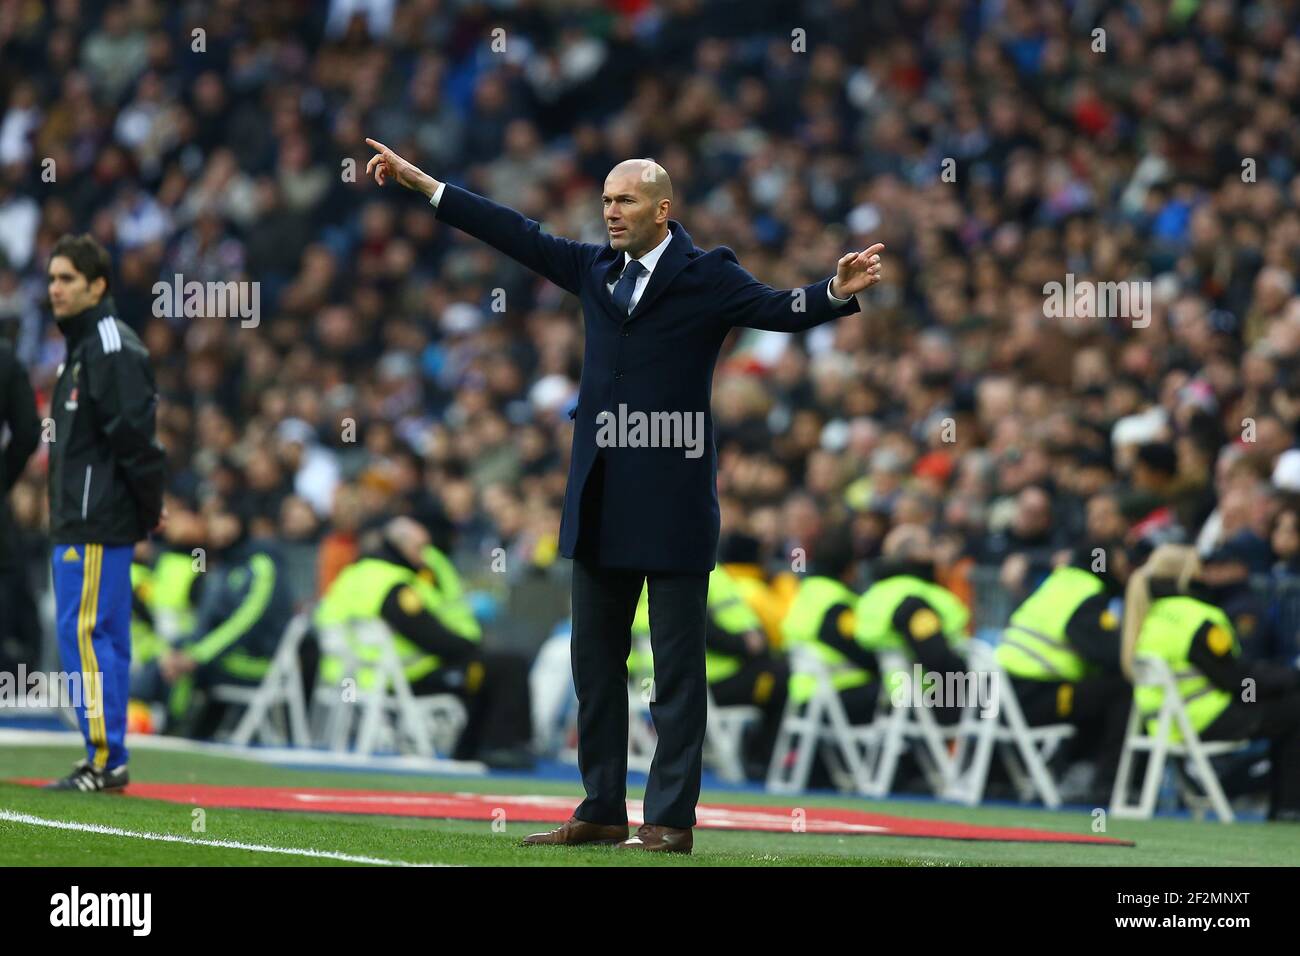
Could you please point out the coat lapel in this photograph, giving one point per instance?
(674, 259)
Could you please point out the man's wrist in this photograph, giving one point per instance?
(835, 299)
(424, 184)
(434, 193)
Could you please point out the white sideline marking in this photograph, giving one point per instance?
(276, 756)
(196, 841)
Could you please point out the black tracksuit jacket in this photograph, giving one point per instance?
(106, 467)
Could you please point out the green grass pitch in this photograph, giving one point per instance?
(1162, 842)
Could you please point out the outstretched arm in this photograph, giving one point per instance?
(754, 305)
(562, 261)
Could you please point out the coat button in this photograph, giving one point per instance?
(626, 333)
(617, 376)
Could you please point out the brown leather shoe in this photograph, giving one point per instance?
(656, 839)
(575, 831)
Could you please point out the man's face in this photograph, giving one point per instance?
(1105, 521)
(1034, 512)
(183, 527)
(631, 217)
(223, 530)
(70, 293)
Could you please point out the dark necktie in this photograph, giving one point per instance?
(626, 283)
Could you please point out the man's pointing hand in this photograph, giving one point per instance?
(386, 164)
(856, 271)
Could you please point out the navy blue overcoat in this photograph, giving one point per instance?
(660, 506)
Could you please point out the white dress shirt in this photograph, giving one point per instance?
(649, 260)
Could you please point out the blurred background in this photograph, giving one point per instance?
(384, 377)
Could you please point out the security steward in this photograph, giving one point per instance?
(1061, 651)
(821, 620)
(176, 581)
(18, 640)
(106, 493)
(437, 639)
(1226, 698)
(146, 645)
(740, 555)
(453, 608)
(905, 610)
(739, 665)
(245, 607)
(166, 584)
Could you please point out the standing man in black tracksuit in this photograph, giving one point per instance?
(18, 422)
(106, 488)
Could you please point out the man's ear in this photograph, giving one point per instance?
(664, 206)
(98, 287)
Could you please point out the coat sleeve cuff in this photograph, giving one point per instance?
(835, 300)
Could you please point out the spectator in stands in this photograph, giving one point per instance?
(1284, 540)
(1026, 547)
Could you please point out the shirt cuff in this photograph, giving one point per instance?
(437, 195)
(834, 299)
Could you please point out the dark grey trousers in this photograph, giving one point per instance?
(604, 603)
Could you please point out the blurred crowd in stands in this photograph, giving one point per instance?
(398, 367)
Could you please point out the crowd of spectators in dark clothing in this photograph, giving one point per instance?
(396, 366)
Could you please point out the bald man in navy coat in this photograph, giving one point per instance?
(641, 504)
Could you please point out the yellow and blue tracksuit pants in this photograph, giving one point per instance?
(92, 593)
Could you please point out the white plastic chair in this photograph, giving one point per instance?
(821, 724)
(724, 738)
(1154, 672)
(385, 714)
(281, 687)
(1024, 750)
(912, 726)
